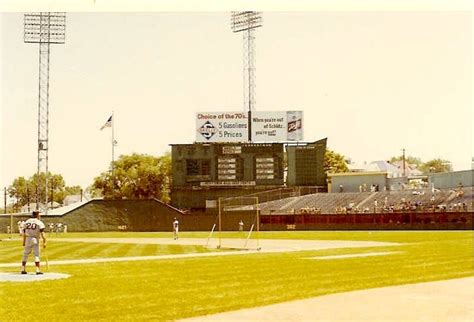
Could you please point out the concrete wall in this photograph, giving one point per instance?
(351, 182)
(450, 180)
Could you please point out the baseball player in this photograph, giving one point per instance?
(34, 229)
(21, 227)
(175, 228)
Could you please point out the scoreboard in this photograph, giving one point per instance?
(306, 164)
(204, 172)
(227, 164)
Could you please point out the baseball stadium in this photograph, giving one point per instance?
(256, 229)
(254, 248)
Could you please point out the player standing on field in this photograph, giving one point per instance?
(175, 228)
(34, 228)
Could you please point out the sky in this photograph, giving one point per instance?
(372, 82)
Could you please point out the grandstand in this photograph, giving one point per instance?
(370, 202)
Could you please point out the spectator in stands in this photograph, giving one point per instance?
(350, 206)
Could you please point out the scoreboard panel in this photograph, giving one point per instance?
(230, 164)
(306, 164)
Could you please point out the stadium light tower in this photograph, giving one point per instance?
(247, 22)
(44, 28)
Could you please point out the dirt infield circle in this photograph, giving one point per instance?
(31, 277)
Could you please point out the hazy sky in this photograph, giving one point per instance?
(371, 82)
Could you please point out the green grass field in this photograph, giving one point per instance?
(179, 288)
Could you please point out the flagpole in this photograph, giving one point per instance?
(113, 138)
(113, 156)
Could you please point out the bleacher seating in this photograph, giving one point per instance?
(359, 202)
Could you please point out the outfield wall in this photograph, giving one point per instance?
(367, 221)
(153, 215)
(110, 215)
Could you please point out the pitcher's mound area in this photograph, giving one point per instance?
(31, 277)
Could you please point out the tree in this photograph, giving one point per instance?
(136, 176)
(59, 196)
(22, 190)
(25, 190)
(410, 160)
(436, 165)
(334, 162)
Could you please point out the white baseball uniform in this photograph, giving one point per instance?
(175, 228)
(32, 230)
(21, 227)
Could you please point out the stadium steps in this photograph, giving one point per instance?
(290, 202)
(366, 200)
(450, 198)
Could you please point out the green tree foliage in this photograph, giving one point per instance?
(136, 176)
(431, 166)
(334, 162)
(24, 190)
(21, 189)
(410, 160)
(436, 165)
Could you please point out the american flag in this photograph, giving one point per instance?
(107, 124)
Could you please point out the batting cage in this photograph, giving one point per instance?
(239, 215)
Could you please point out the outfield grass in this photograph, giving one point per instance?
(172, 289)
(12, 251)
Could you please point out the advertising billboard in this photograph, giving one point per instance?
(277, 126)
(221, 127)
(268, 126)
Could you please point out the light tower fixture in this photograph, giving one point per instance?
(247, 22)
(44, 28)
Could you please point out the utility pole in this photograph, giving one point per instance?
(5, 211)
(28, 197)
(403, 160)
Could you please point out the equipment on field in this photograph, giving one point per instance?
(240, 214)
(46, 258)
(210, 234)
